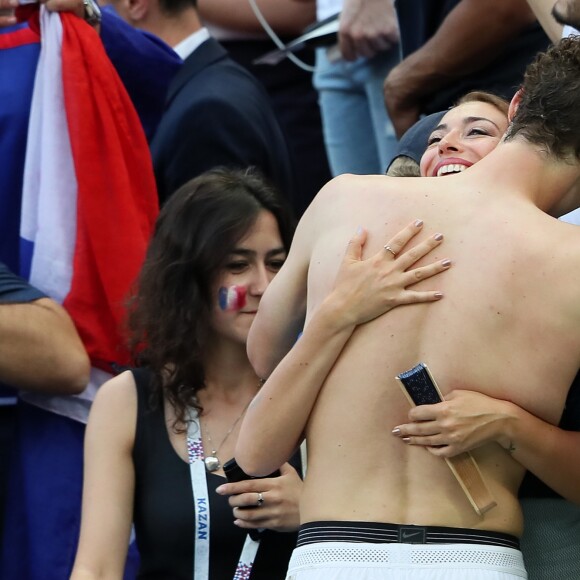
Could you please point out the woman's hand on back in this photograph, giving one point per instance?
(464, 421)
(366, 289)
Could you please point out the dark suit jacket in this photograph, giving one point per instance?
(217, 114)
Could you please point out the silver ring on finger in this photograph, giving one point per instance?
(389, 249)
(260, 499)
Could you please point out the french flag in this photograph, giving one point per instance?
(89, 198)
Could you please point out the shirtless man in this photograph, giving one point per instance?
(509, 325)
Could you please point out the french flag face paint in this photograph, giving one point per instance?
(232, 298)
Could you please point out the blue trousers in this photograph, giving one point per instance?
(44, 498)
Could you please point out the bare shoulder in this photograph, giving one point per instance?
(347, 189)
(348, 183)
(571, 229)
(562, 249)
(572, 247)
(569, 240)
(118, 391)
(114, 410)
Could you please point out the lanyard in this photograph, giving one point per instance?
(202, 515)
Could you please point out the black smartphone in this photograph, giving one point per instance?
(234, 472)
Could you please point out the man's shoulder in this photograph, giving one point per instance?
(571, 236)
(351, 185)
(347, 181)
(211, 63)
(211, 114)
(221, 87)
(559, 243)
(348, 195)
(209, 70)
(211, 86)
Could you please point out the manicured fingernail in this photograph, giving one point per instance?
(219, 489)
(359, 231)
(438, 295)
(406, 439)
(396, 431)
(446, 263)
(438, 237)
(418, 223)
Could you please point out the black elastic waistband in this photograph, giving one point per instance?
(377, 533)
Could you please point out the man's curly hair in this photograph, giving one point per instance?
(549, 112)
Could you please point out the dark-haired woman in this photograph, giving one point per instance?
(158, 436)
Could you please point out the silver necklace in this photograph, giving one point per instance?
(212, 462)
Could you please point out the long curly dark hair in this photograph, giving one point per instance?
(169, 310)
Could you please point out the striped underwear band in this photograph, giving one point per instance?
(377, 533)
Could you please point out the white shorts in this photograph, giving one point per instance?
(393, 561)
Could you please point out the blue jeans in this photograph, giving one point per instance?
(358, 133)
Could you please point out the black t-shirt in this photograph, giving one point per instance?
(164, 510)
(420, 19)
(15, 290)
(570, 421)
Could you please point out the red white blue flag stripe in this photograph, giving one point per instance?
(89, 199)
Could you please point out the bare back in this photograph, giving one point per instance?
(509, 327)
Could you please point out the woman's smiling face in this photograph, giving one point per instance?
(466, 134)
(251, 266)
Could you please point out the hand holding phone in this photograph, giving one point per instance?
(235, 473)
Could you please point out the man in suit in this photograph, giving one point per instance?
(216, 113)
